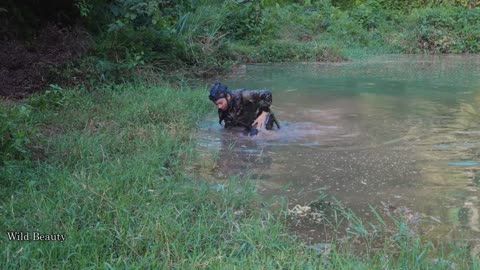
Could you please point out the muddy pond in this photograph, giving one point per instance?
(397, 131)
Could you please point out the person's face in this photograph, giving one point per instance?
(222, 104)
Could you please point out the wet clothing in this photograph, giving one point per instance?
(244, 107)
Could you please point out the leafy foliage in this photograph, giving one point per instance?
(13, 136)
(204, 38)
(247, 21)
(207, 37)
(441, 30)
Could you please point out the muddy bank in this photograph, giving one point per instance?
(28, 66)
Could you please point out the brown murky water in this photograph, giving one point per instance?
(401, 131)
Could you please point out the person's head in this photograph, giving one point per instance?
(222, 104)
(220, 96)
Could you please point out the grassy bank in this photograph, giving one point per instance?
(115, 41)
(207, 37)
(108, 170)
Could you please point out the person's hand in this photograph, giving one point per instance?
(260, 121)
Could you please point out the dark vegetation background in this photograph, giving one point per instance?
(45, 42)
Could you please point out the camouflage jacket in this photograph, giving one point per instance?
(244, 107)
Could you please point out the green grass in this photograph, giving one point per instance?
(112, 181)
(108, 169)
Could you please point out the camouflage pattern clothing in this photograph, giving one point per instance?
(244, 107)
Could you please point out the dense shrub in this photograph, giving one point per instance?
(441, 30)
(206, 37)
(247, 21)
(287, 51)
(13, 136)
(19, 123)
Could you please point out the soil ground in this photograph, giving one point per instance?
(27, 66)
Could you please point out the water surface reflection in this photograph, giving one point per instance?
(398, 130)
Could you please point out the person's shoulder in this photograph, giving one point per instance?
(238, 92)
(248, 92)
(243, 92)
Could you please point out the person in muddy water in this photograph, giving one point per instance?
(243, 108)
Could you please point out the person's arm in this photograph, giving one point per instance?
(264, 99)
(261, 97)
(223, 117)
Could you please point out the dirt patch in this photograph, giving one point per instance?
(28, 66)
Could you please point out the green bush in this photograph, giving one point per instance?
(52, 98)
(206, 38)
(301, 23)
(161, 35)
(369, 15)
(202, 40)
(290, 51)
(442, 30)
(248, 21)
(348, 31)
(19, 130)
(13, 134)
